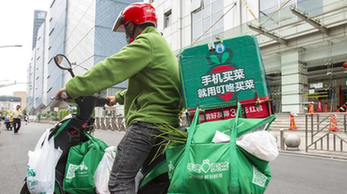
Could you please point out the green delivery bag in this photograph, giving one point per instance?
(82, 162)
(204, 167)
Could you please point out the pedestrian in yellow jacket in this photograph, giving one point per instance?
(17, 115)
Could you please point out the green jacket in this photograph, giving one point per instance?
(153, 93)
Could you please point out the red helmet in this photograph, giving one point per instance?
(138, 13)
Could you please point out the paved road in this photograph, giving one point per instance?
(291, 173)
(14, 149)
(306, 174)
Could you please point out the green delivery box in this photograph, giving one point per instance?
(225, 71)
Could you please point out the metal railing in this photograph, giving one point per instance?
(118, 124)
(320, 134)
(110, 123)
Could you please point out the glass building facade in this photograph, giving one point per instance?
(303, 42)
(39, 18)
(82, 31)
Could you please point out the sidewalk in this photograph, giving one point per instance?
(324, 152)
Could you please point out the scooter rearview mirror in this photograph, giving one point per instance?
(63, 63)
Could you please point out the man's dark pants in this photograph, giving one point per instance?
(132, 152)
(16, 124)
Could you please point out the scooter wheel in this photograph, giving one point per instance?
(25, 189)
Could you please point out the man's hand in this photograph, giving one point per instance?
(59, 97)
(112, 99)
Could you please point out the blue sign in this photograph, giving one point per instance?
(220, 48)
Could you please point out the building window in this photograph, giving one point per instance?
(167, 18)
(266, 7)
(205, 14)
(51, 32)
(49, 89)
(196, 5)
(196, 24)
(52, 4)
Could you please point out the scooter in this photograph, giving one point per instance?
(71, 131)
(8, 123)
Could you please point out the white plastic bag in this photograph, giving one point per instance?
(102, 172)
(41, 166)
(260, 144)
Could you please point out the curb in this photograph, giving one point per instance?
(317, 155)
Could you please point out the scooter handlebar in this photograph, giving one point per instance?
(102, 102)
(63, 96)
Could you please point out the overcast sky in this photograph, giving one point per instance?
(16, 28)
